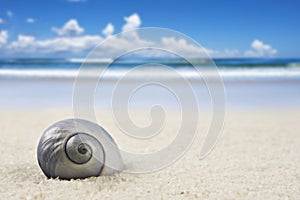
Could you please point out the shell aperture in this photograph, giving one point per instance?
(76, 148)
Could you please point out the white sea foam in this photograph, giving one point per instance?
(92, 61)
(230, 74)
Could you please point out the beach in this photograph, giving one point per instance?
(257, 155)
(153, 100)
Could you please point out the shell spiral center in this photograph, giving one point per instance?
(78, 150)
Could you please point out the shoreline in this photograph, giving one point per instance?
(240, 95)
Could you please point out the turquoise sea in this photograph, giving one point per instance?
(228, 68)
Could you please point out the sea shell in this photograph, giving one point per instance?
(77, 148)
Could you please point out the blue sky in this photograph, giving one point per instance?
(253, 28)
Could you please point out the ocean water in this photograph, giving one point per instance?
(249, 83)
(229, 69)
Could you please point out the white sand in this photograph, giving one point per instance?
(258, 157)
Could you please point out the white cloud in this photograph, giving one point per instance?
(3, 37)
(182, 47)
(9, 13)
(132, 22)
(22, 42)
(226, 53)
(26, 38)
(232, 53)
(124, 42)
(30, 20)
(2, 21)
(72, 46)
(70, 28)
(108, 30)
(259, 49)
(71, 42)
(27, 44)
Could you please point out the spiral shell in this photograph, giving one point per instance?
(76, 148)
